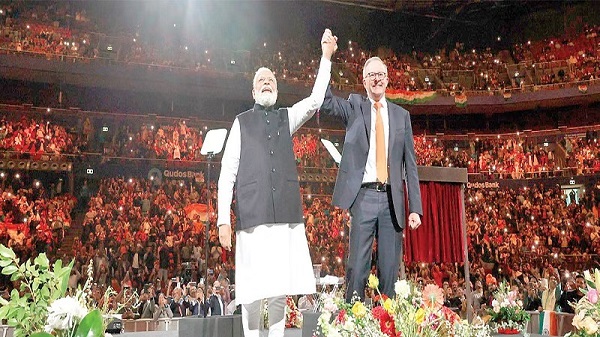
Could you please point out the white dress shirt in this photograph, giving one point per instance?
(370, 174)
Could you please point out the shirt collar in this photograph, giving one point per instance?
(383, 102)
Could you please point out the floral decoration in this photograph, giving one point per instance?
(293, 316)
(410, 313)
(587, 309)
(507, 314)
(41, 308)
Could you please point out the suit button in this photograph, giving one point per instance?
(269, 137)
(268, 121)
(266, 113)
(272, 170)
(271, 153)
(273, 189)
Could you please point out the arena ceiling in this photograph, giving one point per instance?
(451, 9)
(441, 6)
(396, 5)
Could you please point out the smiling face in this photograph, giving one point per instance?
(264, 88)
(375, 78)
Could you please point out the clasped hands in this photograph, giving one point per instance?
(328, 44)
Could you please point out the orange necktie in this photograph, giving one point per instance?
(380, 153)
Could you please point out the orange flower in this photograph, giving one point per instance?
(433, 296)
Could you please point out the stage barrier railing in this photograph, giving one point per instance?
(564, 324)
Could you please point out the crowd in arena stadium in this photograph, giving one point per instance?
(515, 234)
(511, 156)
(33, 217)
(67, 31)
(146, 237)
(35, 137)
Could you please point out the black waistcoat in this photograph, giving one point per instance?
(267, 188)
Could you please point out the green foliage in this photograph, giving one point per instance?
(38, 285)
(91, 325)
(41, 334)
(510, 314)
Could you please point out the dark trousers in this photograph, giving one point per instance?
(371, 217)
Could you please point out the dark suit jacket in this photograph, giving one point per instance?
(215, 308)
(196, 308)
(356, 115)
(178, 308)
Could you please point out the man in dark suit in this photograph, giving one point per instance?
(378, 158)
(215, 301)
(147, 306)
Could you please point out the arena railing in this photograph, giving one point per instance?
(564, 324)
(129, 325)
(148, 324)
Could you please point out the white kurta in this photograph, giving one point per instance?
(271, 259)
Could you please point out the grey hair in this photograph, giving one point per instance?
(372, 59)
(256, 75)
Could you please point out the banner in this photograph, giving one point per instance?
(483, 185)
(409, 97)
(179, 174)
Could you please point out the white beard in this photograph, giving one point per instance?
(266, 99)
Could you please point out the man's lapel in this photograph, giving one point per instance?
(366, 113)
(392, 115)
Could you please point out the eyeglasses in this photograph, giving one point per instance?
(380, 75)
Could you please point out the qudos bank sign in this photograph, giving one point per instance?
(177, 174)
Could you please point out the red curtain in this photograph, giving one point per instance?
(439, 238)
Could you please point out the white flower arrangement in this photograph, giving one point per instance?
(587, 309)
(64, 314)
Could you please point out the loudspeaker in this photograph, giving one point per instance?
(114, 326)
